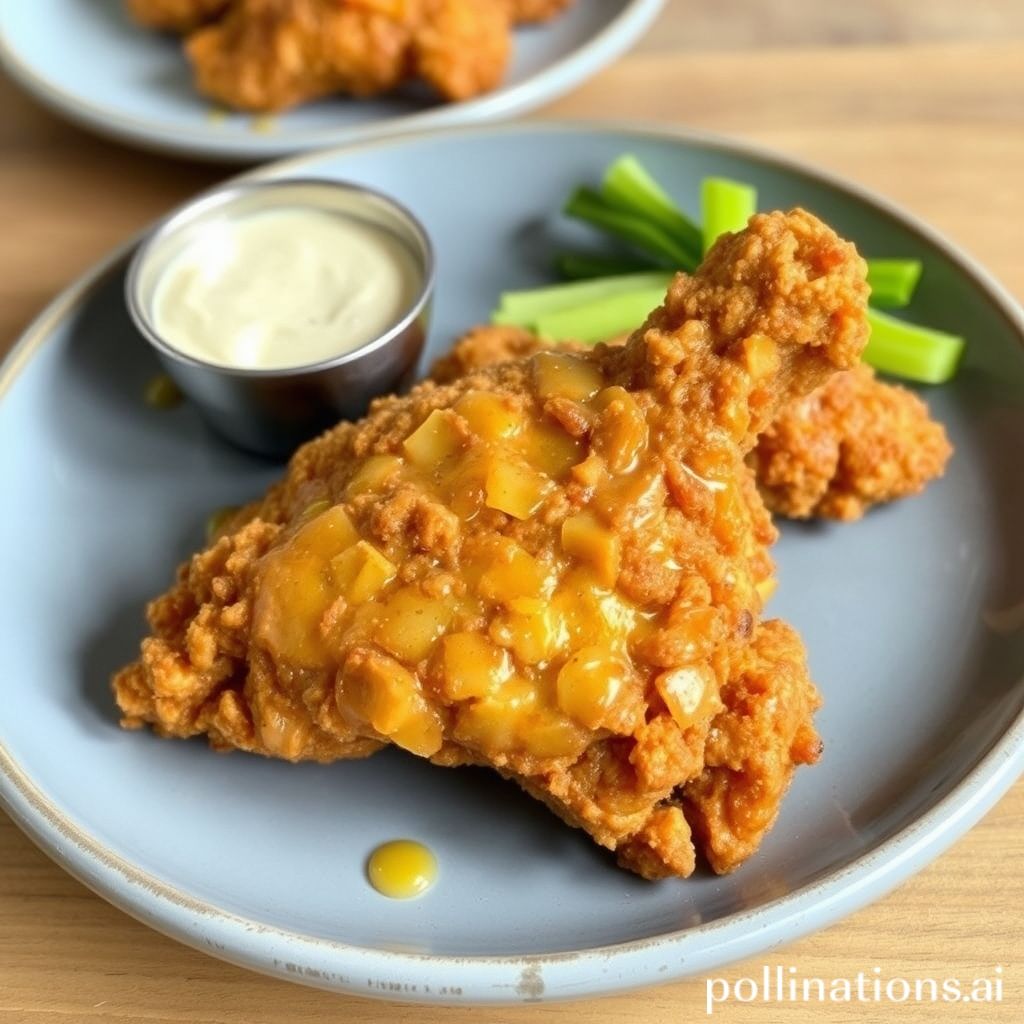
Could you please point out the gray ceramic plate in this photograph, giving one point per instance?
(261, 862)
(86, 60)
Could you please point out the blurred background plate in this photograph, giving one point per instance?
(89, 62)
(261, 862)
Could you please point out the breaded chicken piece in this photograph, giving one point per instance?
(549, 566)
(267, 55)
(176, 15)
(523, 11)
(462, 47)
(855, 443)
(764, 731)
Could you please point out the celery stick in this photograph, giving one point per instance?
(577, 266)
(628, 186)
(602, 318)
(725, 206)
(587, 205)
(893, 281)
(523, 308)
(915, 353)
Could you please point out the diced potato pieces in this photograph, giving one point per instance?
(373, 474)
(590, 683)
(436, 438)
(533, 638)
(590, 612)
(513, 574)
(630, 500)
(489, 416)
(422, 733)
(388, 697)
(412, 623)
(281, 730)
(550, 449)
(487, 726)
(328, 533)
(472, 666)
(514, 488)
(361, 572)
(565, 376)
(690, 693)
(585, 539)
(731, 517)
(295, 588)
(548, 734)
(760, 356)
(621, 432)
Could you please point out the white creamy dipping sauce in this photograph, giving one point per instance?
(284, 288)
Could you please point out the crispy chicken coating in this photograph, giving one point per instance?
(536, 10)
(176, 15)
(852, 444)
(855, 442)
(267, 55)
(549, 566)
(462, 46)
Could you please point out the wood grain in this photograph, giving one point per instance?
(928, 108)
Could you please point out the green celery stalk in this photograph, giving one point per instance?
(915, 353)
(588, 205)
(630, 187)
(725, 206)
(525, 307)
(578, 266)
(893, 281)
(602, 318)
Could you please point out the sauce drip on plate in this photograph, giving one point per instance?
(402, 869)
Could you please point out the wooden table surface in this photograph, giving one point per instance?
(923, 101)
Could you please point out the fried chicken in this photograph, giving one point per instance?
(855, 442)
(523, 11)
(267, 55)
(852, 444)
(549, 566)
(176, 15)
(462, 47)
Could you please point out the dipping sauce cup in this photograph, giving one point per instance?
(313, 333)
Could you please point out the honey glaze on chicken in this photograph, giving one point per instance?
(551, 567)
(534, 592)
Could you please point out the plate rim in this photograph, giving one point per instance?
(544, 86)
(411, 977)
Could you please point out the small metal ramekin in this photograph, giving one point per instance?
(272, 411)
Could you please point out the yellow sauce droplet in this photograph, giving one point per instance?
(263, 124)
(402, 869)
(162, 393)
(216, 115)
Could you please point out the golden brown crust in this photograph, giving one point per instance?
(176, 15)
(267, 55)
(764, 731)
(462, 47)
(524, 11)
(855, 442)
(658, 469)
(852, 444)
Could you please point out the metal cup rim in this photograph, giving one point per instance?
(217, 198)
